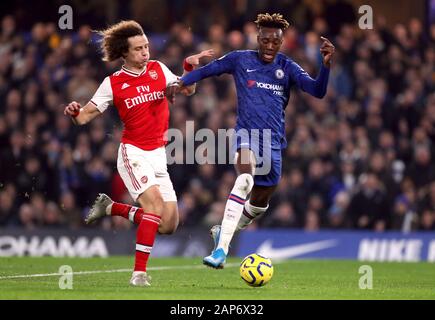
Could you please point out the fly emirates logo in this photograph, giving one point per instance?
(144, 96)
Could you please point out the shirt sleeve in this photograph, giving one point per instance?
(169, 76)
(316, 87)
(103, 96)
(224, 64)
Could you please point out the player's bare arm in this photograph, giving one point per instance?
(79, 115)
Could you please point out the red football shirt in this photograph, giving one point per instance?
(141, 103)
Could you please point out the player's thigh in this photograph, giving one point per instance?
(135, 169)
(170, 210)
(266, 184)
(244, 161)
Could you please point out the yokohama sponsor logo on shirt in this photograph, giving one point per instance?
(263, 85)
(270, 86)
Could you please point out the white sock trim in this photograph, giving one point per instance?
(131, 213)
(142, 248)
(253, 210)
(249, 214)
(109, 209)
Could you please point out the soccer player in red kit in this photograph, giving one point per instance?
(138, 93)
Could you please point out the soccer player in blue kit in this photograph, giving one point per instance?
(263, 80)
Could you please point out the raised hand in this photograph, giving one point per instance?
(194, 59)
(327, 50)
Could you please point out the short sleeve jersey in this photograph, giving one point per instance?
(141, 103)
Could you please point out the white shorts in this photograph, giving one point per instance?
(140, 169)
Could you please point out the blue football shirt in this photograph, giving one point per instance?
(263, 89)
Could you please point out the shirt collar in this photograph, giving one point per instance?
(132, 73)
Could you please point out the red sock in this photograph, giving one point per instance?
(132, 213)
(146, 233)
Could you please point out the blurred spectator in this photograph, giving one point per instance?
(312, 221)
(69, 210)
(405, 208)
(282, 217)
(422, 169)
(427, 221)
(27, 217)
(7, 197)
(368, 208)
(337, 212)
(52, 216)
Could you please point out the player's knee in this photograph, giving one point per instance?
(244, 182)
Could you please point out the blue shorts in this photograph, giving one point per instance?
(269, 160)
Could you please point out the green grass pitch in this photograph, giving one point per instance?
(187, 278)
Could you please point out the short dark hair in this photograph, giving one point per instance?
(274, 20)
(115, 39)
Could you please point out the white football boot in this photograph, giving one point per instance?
(140, 279)
(98, 209)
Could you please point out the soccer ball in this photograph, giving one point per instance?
(256, 270)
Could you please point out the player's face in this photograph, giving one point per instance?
(269, 42)
(138, 51)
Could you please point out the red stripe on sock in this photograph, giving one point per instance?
(120, 209)
(246, 213)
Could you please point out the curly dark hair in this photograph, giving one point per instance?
(115, 39)
(274, 20)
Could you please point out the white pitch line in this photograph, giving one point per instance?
(108, 271)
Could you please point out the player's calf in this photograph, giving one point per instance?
(233, 209)
(167, 226)
(249, 214)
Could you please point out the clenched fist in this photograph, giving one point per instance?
(73, 109)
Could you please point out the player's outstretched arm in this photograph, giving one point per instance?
(79, 115)
(327, 50)
(189, 64)
(316, 87)
(217, 67)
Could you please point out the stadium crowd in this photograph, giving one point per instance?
(362, 157)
